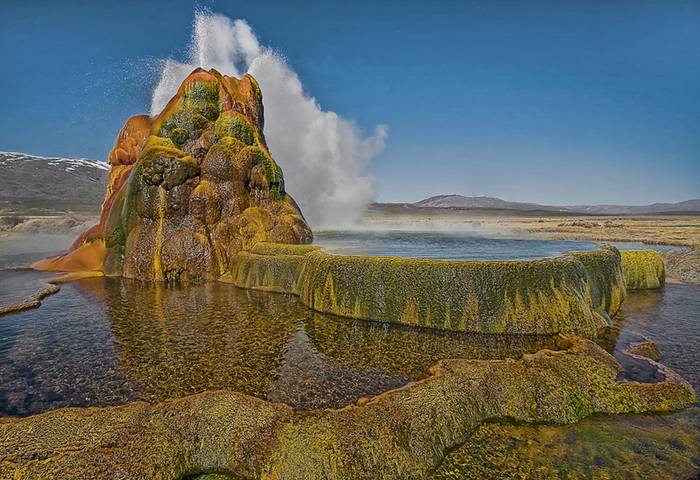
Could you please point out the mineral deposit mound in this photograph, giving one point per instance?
(189, 188)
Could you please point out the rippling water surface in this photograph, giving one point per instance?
(109, 341)
(671, 318)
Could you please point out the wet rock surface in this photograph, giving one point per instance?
(644, 269)
(645, 348)
(578, 293)
(631, 447)
(237, 435)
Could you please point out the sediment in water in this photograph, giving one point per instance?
(402, 433)
(632, 447)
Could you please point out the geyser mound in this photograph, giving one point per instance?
(189, 188)
(324, 154)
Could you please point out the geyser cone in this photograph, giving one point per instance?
(189, 188)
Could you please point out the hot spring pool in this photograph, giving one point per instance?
(453, 245)
(108, 341)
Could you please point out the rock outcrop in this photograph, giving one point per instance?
(644, 269)
(189, 188)
(578, 293)
(402, 433)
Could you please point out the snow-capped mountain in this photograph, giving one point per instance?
(30, 183)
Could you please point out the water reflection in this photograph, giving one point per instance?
(669, 317)
(109, 341)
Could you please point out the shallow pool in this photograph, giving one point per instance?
(450, 245)
(108, 341)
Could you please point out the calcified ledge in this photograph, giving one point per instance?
(577, 293)
(643, 269)
(403, 433)
(33, 301)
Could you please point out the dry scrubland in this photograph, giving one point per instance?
(672, 230)
(60, 224)
(682, 230)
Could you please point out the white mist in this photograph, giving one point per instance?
(323, 155)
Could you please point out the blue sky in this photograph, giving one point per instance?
(555, 102)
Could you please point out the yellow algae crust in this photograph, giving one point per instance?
(578, 293)
(403, 433)
(643, 269)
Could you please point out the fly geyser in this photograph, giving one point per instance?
(189, 188)
(194, 195)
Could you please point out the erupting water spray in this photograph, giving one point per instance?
(322, 154)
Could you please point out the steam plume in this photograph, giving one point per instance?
(323, 156)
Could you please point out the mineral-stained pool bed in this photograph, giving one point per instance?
(108, 341)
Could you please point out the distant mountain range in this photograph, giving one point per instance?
(492, 203)
(30, 184)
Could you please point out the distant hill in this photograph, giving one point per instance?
(492, 203)
(45, 185)
(459, 201)
(31, 184)
(688, 206)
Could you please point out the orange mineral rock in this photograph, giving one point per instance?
(189, 188)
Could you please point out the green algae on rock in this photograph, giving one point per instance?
(605, 277)
(190, 188)
(643, 269)
(578, 293)
(402, 433)
(645, 348)
(631, 447)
